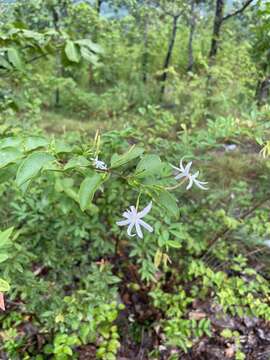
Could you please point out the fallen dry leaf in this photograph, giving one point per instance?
(229, 353)
(2, 302)
(197, 315)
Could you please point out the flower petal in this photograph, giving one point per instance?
(181, 165)
(145, 211)
(179, 176)
(190, 183)
(175, 167)
(123, 222)
(200, 185)
(139, 230)
(187, 168)
(130, 227)
(145, 225)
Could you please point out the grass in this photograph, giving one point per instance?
(57, 123)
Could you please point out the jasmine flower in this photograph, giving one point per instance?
(98, 164)
(184, 172)
(134, 218)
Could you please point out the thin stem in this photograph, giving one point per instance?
(176, 186)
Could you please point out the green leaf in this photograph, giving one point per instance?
(173, 244)
(31, 166)
(90, 45)
(4, 237)
(4, 63)
(148, 165)
(88, 188)
(10, 142)
(3, 257)
(8, 156)
(35, 142)
(14, 58)
(4, 285)
(78, 162)
(132, 153)
(72, 52)
(89, 56)
(169, 202)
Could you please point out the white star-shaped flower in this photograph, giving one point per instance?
(184, 172)
(98, 164)
(134, 218)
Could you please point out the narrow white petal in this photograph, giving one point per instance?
(145, 225)
(181, 165)
(195, 175)
(187, 168)
(123, 222)
(126, 214)
(130, 227)
(190, 183)
(179, 176)
(145, 211)
(175, 167)
(139, 230)
(133, 209)
(200, 185)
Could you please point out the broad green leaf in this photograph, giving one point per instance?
(78, 162)
(119, 160)
(61, 148)
(88, 188)
(4, 237)
(4, 63)
(3, 257)
(174, 244)
(35, 142)
(10, 142)
(31, 166)
(89, 56)
(4, 286)
(14, 58)
(72, 52)
(90, 45)
(168, 201)
(9, 156)
(148, 165)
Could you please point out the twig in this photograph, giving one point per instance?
(227, 230)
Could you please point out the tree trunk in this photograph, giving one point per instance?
(169, 55)
(263, 91)
(56, 20)
(99, 2)
(216, 29)
(145, 49)
(192, 25)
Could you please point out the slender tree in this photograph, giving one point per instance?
(192, 25)
(219, 20)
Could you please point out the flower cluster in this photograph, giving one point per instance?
(133, 217)
(183, 172)
(98, 164)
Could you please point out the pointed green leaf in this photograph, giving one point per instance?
(35, 142)
(169, 202)
(9, 156)
(148, 165)
(14, 58)
(4, 286)
(10, 142)
(132, 153)
(4, 237)
(31, 166)
(72, 52)
(88, 188)
(78, 162)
